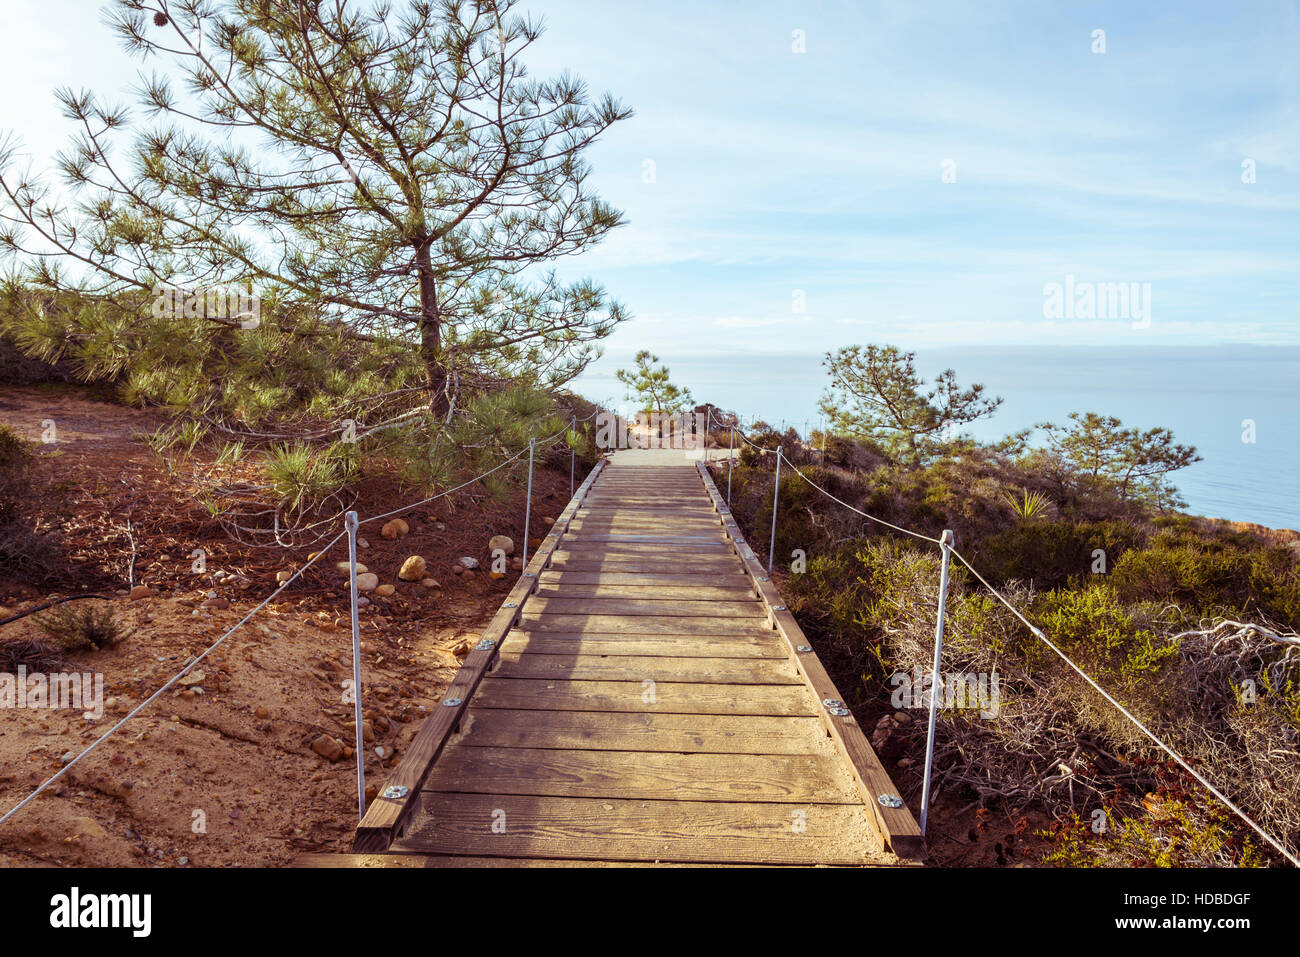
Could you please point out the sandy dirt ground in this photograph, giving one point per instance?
(222, 771)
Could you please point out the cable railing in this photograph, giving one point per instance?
(351, 524)
(945, 543)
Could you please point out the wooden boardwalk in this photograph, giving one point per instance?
(641, 697)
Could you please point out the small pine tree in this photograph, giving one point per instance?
(651, 388)
(877, 396)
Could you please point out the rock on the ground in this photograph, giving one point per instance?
(327, 748)
(139, 591)
(503, 542)
(383, 591)
(346, 568)
(413, 569)
(430, 583)
(367, 582)
(467, 562)
(395, 528)
(283, 577)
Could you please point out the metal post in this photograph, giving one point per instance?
(350, 523)
(945, 545)
(776, 492)
(528, 503)
(731, 461)
(573, 440)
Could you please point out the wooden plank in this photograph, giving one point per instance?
(370, 861)
(686, 508)
(646, 531)
(718, 559)
(676, 592)
(640, 607)
(662, 646)
(643, 775)
(621, 731)
(646, 697)
(665, 545)
(617, 624)
(586, 561)
(640, 668)
(614, 829)
(556, 576)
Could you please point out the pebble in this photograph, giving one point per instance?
(216, 603)
(384, 591)
(413, 569)
(503, 542)
(138, 592)
(346, 568)
(283, 577)
(367, 582)
(430, 583)
(395, 528)
(470, 563)
(327, 748)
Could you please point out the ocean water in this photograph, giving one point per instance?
(1206, 395)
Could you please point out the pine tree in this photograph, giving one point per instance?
(385, 185)
(652, 388)
(876, 394)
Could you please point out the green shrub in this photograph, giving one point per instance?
(1178, 834)
(1104, 637)
(83, 628)
(1230, 574)
(15, 461)
(25, 553)
(1051, 554)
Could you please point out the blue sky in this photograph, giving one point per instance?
(778, 173)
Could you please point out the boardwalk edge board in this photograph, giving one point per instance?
(899, 831)
(386, 817)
